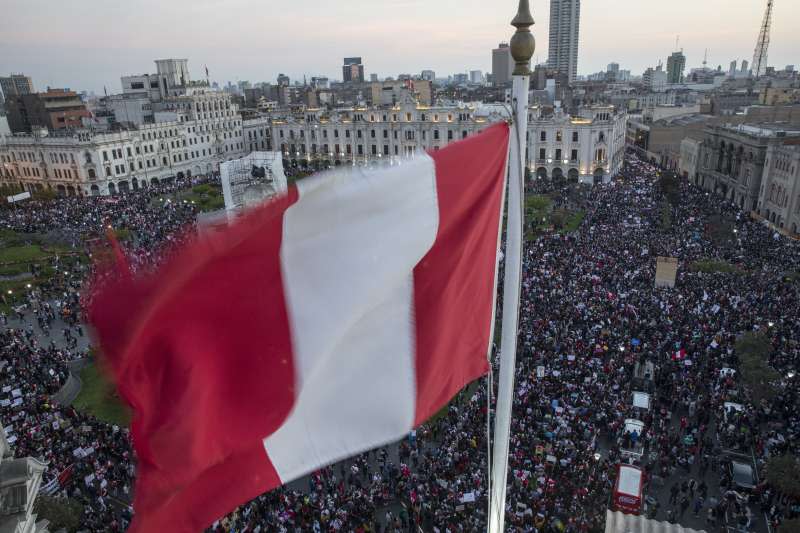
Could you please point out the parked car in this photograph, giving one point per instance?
(742, 475)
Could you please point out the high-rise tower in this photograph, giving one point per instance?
(762, 46)
(565, 18)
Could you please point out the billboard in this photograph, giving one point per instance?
(666, 271)
(250, 180)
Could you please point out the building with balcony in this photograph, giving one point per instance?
(20, 480)
(194, 134)
(779, 196)
(588, 147)
(733, 160)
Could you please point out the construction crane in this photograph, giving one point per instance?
(762, 46)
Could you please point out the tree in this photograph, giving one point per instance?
(62, 513)
(783, 473)
(753, 350)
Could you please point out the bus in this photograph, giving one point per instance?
(628, 490)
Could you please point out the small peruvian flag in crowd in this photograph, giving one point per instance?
(328, 322)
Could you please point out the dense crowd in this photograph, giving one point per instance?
(593, 329)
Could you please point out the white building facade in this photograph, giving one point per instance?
(587, 148)
(194, 133)
(205, 129)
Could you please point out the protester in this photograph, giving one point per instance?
(590, 316)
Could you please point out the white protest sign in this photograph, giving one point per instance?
(469, 497)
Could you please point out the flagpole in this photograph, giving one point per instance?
(522, 48)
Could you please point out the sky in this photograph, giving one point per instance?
(89, 44)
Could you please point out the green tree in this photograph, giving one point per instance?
(753, 350)
(783, 473)
(62, 513)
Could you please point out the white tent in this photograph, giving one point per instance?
(620, 522)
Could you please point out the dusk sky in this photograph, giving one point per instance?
(88, 44)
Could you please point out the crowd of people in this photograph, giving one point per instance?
(594, 329)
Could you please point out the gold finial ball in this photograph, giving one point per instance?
(522, 45)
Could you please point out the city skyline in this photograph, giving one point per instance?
(249, 40)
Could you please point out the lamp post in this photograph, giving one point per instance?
(522, 47)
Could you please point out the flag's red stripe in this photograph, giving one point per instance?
(206, 390)
(454, 282)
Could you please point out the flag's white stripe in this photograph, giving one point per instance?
(349, 248)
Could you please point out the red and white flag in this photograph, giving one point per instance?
(328, 322)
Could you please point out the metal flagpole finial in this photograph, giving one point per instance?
(522, 43)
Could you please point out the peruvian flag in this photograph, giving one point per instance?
(329, 321)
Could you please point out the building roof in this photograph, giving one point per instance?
(684, 120)
(620, 522)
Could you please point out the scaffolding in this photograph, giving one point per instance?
(250, 180)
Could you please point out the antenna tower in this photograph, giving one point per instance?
(762, 46)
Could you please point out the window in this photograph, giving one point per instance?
(374, 150)
(558, 154)
(105, 155)
(347, 134)
(574, 136)
(372, 133)
(129, 152)
(543, 136)
(360, 149)
(385, 149)
(449, 135)
(464, 134)
(385, 134)
(573, 155)
(558, 137)
(542, 153)
(435, 135)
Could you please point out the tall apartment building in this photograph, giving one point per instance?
(502, 64)
(15, 85)
(353, 70)
(564, 30)
(676, 63)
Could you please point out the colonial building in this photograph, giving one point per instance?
(20, 480)
(779, 198)
(689, 158)
(192, 135)
(588, 147)
(733, 159)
